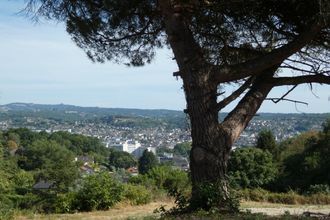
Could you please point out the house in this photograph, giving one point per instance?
(85, 160)
(133, 171)
(43, 185)
(181, 162)
(86, 170)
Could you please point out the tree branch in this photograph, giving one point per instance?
(239, 117)
(282, 81)
(277, 56)
(276, 100)
(235, 94)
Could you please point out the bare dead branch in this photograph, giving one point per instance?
(277, 100)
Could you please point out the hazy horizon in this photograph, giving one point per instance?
(121, 107)
(40, 64)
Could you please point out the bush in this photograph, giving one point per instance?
(6, 208)
(66, 203)
(168, 178)
(318, 189)
(291, 197)
(99, 192)
(251, 167)
(137, 194)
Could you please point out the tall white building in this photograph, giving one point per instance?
(132, 147)
(128, 146)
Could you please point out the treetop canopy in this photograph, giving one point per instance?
(228, 32)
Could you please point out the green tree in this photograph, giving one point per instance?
(244, 43)
(266, 141)
(308, 167)
(99, 192)
(121, 159)
(80, 144)
(146, 162)
(169, 178)
(251, 167)
(50, 162)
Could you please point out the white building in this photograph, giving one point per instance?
(128, 146)
(132, 147)
(139, 151)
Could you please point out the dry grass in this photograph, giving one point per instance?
(120, 211)
(280, 209)
(125, 211)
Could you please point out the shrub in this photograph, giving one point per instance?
(318, 189)
(136, 194)
(212, 196)
(251, 167)
(169, 178)
(99, 192)
(291, 197)
(6, 208)
(66, 203)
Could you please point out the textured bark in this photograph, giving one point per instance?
(211, 142)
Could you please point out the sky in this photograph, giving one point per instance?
(39, 63)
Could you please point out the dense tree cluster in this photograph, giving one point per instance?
(121, 159)
(301, 164)
(251, 167)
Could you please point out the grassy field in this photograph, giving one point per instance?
(120, 211)
(125, 211)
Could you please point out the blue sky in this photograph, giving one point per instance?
(39, 63)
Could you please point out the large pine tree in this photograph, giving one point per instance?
(215, 43)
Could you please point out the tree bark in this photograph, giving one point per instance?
(211, 141)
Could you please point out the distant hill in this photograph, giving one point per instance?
(19, 114)
(90, 110)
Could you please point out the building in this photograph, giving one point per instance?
(128, 146)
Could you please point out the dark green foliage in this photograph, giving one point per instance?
(130, 32)
(121, 159)
(80, 144)
(309, 167)
(266, 141)
(146, 162)
(23, 135)
(51, 162)
(66, 203)
(251, 167)
(99, 192)
(319, 189)
(182, 149)
(212, 196)
(169, 178)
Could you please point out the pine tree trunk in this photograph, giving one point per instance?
(210, 144)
